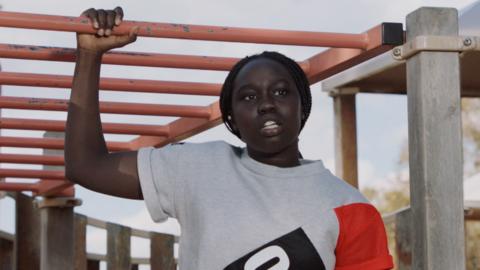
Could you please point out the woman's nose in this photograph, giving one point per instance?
(266, 106)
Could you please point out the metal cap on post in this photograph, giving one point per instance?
(435, 145)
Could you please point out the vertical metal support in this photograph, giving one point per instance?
(118, 247)
(57, 228)
(161, 251)
(403, 240)
(27, 234)
(346, 163)
(80, 247)
(436, 169)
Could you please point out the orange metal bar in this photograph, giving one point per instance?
(52, 125)
(185, 31)
(124, 58)
(18, 186)
(107, 107)
(49, 143)
(181, 129)
(119, 57)
(333, 61)
(17, 173)
(113, 84)
(32, 159)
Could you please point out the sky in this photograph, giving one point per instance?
(382, 119)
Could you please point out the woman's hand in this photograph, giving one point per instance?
(104, 21)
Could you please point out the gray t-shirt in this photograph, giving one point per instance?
(237, 213)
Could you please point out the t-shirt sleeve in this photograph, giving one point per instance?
(158, 173)
(362, 240)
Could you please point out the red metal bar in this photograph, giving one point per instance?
(113, 84)
(124, 58)
(107, 107)
(120, 57)
(53, 125)
(18, 186)
(49, 143)
(185, 31)
(333, 61)
(181, 129)
(17, 173)
(32, 159)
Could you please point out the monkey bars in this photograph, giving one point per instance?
(346, 50)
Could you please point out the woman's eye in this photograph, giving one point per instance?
(249, 97)
(280, 92)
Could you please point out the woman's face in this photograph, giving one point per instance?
(266, 107)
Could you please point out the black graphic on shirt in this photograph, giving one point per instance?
(291, 251)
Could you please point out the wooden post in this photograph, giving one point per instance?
(6, 254)
(403, 240)
(436, 169)
(27, 234)
(346, 138)
(118, 247)
(161, 251)
(57, 230)
(80, 247)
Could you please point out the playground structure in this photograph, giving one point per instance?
(433, 79)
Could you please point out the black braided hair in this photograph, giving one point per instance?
(292, 67)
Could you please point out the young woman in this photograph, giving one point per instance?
(259, 207)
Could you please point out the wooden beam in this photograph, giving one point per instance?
(161, 251)
(435, 145)
(118, 247)
(80, 242)
(346, 138)
(27, 234)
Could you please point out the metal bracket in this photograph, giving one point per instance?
(58, 202)
(436, 44)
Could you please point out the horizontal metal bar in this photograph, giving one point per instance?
(188, 31)
(181, 129)
(47, 53)
(120, 57)
(7, 186)
(113, 84)
(107, 107)
(43, 174)
(49, 143)
(54, 125)
(32, 159)
(335, 60)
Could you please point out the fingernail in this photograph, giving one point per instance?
(108, 32)
(117, 21)
(95, 24)
(100, 32)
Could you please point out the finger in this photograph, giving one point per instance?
(110, 22)
(126, 39)
(92, 14)
(102, 20)
(118, 15)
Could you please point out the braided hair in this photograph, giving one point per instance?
(293, 69)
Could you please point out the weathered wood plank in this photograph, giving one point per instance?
(435, 137)
(27, 224)
(161, 251)
(80, 239)
(346, 138)
(6, 254)
(118, 247)
(403, 238)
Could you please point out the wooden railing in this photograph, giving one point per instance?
(402, 229)
(118, 254)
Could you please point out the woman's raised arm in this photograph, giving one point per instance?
(87, 160)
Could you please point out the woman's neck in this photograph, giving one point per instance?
(288, 157)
